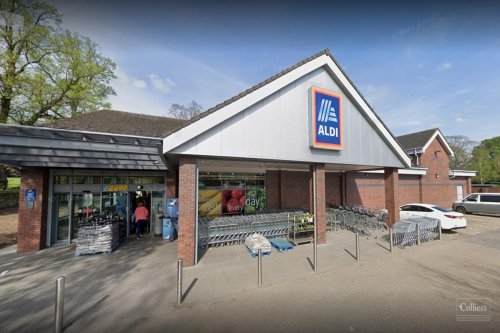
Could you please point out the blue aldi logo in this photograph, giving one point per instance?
(326, 119)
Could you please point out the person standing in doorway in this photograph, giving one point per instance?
(141, 217)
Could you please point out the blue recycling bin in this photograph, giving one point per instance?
(168, 229)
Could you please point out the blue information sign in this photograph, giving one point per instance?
(326, 119)
(30, 195)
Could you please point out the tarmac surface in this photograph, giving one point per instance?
(133, 289)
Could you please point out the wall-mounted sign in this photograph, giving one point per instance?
(326, 119)
(116, 188)
(30, 195)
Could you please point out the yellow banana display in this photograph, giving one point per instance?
(209, 202)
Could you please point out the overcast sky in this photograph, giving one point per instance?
(429, 65)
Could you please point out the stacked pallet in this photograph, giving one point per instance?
(97, 239)
(257, 242)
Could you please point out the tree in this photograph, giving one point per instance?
(481, 162)
(462, 148)
(46, 72)
(187, 111)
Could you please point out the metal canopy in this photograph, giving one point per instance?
(26, 146)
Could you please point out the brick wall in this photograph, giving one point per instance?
(187, 210)
(333, 192)
(273, 189)
(365, 189)
(409, 189)
(481, 189)
(32, 225)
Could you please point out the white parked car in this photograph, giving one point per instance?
(449, 218)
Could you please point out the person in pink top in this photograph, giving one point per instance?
(141, 217)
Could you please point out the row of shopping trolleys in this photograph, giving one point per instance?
(234, 229)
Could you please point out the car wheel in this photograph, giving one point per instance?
(461, 209)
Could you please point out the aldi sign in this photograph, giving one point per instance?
(326, 119)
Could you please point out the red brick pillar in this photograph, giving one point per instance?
(187, 210)
(172, 183)
(283, 189)
(420, 189)
(32, 224)
(320, 203)
(391, 185)
(469, 186)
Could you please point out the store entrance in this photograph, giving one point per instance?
(135, 198)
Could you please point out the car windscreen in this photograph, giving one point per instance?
(445, 210)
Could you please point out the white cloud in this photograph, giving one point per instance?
(459, 119)
(141, 84)
(132, 96)
(444, 66)
(164, 85)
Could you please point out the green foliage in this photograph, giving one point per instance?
(462, 148)
(486, 161)
(13, 183)
(47, 72)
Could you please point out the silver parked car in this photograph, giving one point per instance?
(481, 203)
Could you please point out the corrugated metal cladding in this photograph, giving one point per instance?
(277, 128)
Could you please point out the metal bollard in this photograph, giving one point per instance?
(391, 239)
(259, 267)
(59, 309)
(315, 245)
(357, 246)
(179, 281)
(440, 230)
(418, 234)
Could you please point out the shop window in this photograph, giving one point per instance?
(86, 180)
(209, 180)
(231, 193)
(61, 180)
(139, 180)
(158, 180)
(113, 180)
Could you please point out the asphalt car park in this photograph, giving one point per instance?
(414, 289)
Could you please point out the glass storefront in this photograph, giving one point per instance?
(79, 196)
(230, 193)
(61, 216)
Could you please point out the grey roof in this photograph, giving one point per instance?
(119, 122)
(416, 140)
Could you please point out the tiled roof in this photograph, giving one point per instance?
(416, 140)
(119, 122)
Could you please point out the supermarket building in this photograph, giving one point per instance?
(303, 138)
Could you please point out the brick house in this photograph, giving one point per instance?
(303, 138)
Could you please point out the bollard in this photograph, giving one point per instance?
(179, 281)
(259, 267)
(440, 230)
(418, 234)
(59, 310)
(357, 246)
(315, 244)
(391, 239)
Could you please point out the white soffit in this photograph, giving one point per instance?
(202, 125)
(412, 171)
(462, 173)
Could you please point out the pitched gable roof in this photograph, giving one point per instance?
(421, 140)
(223, 111)
(119, 122)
